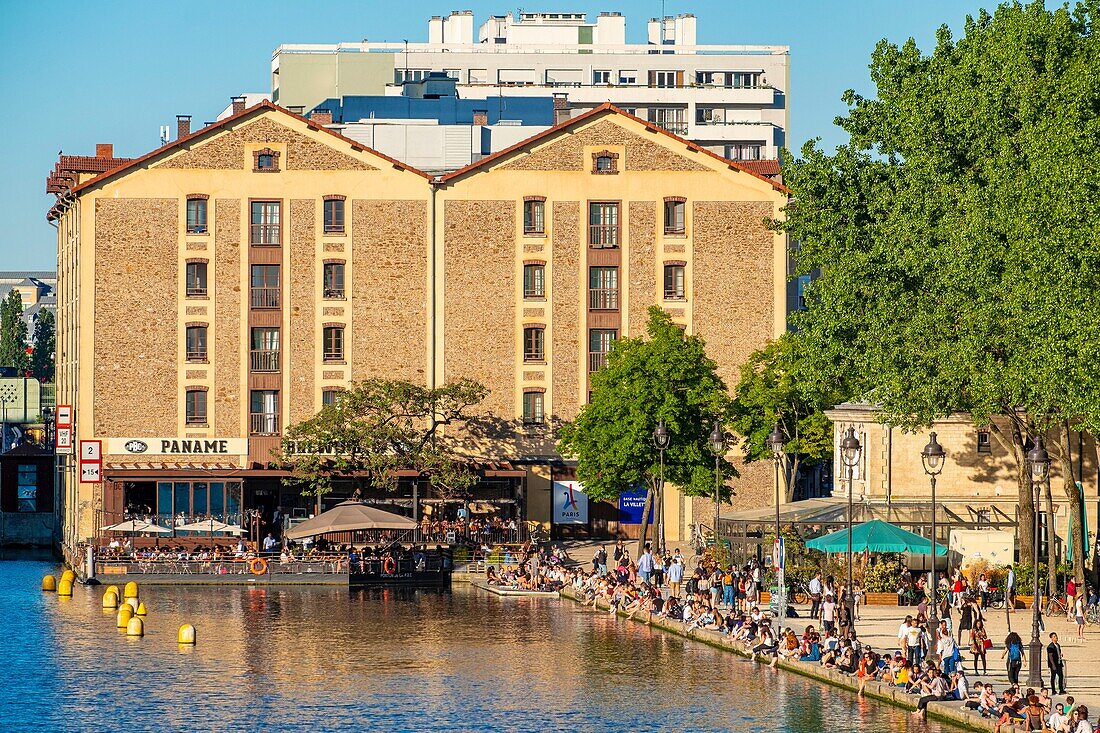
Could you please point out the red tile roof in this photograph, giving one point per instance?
(763, 167)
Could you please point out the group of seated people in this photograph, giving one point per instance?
(524, 574)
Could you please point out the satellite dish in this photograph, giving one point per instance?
(163, 134)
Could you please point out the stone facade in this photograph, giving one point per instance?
(227, 150)
(642, 286)
(565, 294)
(568, 153)
(135, 287)
(301, 340)
(226, 403)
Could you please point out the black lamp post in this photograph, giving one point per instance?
(1038, 463)
(849, 453)
(661, 439)
(777, 442)
(718, 445)
(933, 457)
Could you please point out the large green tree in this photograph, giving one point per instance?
(663, 375)
(773, 390)
(44, 343)
(379, 427)
(13, 333)
(956, 232)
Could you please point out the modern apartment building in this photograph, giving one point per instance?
(730, 99)
(233, 281)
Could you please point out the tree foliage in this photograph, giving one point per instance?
(379, 427)
(13, 333)
(665, 375)
(42, 358)
(773, 390)
(957, 231)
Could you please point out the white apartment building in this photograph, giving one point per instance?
(730, 99)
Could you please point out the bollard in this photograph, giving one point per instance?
(68, 575)
(110, 600)
(114, 589)
(49, 583)
(65, 588)
(135, 627)
(130, 591)
(186, 634)
(125, 613)
(141, 610)
(133, 603)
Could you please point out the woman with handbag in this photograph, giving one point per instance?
(979, 645)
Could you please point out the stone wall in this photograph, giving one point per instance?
(567, 153)
(227, 403)
(567, 254)
(642, 254)
(389, 290)
(135, 345)
(300, 340)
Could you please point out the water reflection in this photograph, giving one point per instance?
(322, 659)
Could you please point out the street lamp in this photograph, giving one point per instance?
(718, 445)
(661, 439)
(777, 442)
(849, 453)
(933, 458)
(1038, 464)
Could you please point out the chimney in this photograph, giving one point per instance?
(238, 104)
(297, 109)
(321, 116)
(104, 150)
(481, 117)
(183, 126)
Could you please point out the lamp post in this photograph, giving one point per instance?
(718, 445)
(1038, 463)
(661, 439)
(849, 453)
(777, 442)
(932, 457)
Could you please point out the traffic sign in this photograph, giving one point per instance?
(64, 440)
(64, 416)
(89, 473)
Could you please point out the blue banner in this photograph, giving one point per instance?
(632, 505)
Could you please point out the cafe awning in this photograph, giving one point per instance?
(349, 516)
(875, 536)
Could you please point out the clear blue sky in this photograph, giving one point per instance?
(76, 73)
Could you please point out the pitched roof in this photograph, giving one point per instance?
(597, 111)
(763, 167)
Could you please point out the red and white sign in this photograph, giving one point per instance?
(64, 416)
(91, 461)
(63, 434)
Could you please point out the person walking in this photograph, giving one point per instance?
(947, 649)
(967, 616)
(1056, 663)
(979, 645)
(658, 570)
(675, 576)
(1010, 590)
(815, 595)
(1079, 615)
(601, 561)
(645, 565)
(1014, 651)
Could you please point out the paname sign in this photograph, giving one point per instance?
(570, 503)
(177, 446)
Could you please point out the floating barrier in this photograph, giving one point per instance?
(113, 589)
(141, 610)
(110, 600)
(122, 618)
(186, 634)
(135, 627)
(65, 588)
(131, 590)
(133, 603)
(49, 583)
(69, 575)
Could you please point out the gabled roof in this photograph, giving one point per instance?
(607, 107)
(229, 122)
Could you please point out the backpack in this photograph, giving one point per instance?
(1015, 654)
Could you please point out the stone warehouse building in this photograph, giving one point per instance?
(232, 282)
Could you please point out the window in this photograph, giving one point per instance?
(334, 280)
(603, 163)
(984, 515)
(196, 407)
(603, 224)
(673, 119)
(730, 79)
(744, 151)
(532, 408)
(196, 343)
(265, 286)
(603, 288)
(330, 396)
(533, 220)
(599, 344)
(628, 77)
(534, 278)
(674, 215)
(984, 444)
(265, 223)
(265, 349)
(666, 79)
(601, 77)
(534, 343)
(403, 75)
(196, 215)
(334, 343)
(674, 282)
(265, 161)
(196, 279)
(27, 487)
(265, 412)
(334, 215)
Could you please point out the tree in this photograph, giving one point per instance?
(772, 391)
(666, 375)
(379, 427)
(956, 233)
(13, 333)
(44, 344)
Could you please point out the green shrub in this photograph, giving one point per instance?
(883, 575)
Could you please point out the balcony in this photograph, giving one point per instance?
(334, 293)
(265, 360)
(603, 235)
(597, 360)
(603, 299)
(196, 355)
(266, 235)
(264, 423)
(265, 297)
(676, 127)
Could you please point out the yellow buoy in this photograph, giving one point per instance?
(186, 634)
(135, 627)
(68, 575)
(65, 588)
(133, 603)
(110, 600)
(125, 613)
(130, 591)
(141, 610)
(113, 589)
(49, 583)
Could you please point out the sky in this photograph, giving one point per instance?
(74, 74)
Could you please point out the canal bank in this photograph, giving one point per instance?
(952, 713)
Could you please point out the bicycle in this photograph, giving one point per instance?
(800, 593)
(1092, 614)
(1056, 605)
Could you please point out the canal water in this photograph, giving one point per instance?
(330, 659)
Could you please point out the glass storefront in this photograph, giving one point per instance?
(182, 502)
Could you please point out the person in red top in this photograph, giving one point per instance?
(1071, 592)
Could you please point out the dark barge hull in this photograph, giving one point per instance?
(434, 573)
